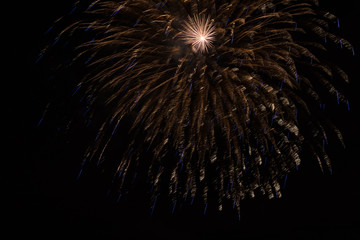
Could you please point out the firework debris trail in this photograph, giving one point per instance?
(221, 82)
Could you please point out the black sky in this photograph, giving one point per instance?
(47, 200)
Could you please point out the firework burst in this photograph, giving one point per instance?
(199, 32)
(230, 85)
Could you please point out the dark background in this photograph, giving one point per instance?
(47, 200)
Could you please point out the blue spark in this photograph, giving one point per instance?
(137, 97)
(49, 29)
(56, 40)
(190, 87)
(227, 22)
(117, 124)
(40, 121)
(130, 151)
(286, 176)
(119, 197)
(281, 86)
(97, 137)
(74, 92)
(164, 3)
(137, 22)
(182, 155)
(92, 5)
(88, 60)
(79, 174)
(130, 64)
(88, 44)
(39, 58)
(72, 10)
(120, 173)
(88, 28)
(173, 209)
(117, 10)
(152, 209)
(134, 178)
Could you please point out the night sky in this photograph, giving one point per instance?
(47, 199)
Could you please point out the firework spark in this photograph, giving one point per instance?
(237, 116)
